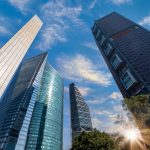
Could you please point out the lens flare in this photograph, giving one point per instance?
(134, 138)
(132, 134)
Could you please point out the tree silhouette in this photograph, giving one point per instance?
(94, 140)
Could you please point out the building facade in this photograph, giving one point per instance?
(46, 127)
(32, 108)
(126, 50)
(12, 53)
(80, 114)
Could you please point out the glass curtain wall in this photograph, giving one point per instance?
(46, 127)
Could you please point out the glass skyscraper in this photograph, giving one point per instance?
(32, 108)
(80, 114)
(12, 53)
(126, 50)
(46, 126)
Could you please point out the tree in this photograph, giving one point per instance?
(139, 106)
(94, 140)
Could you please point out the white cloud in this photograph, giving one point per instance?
(119, 2)
(85, 90)
(57, 18)
(92, 5)
(22, 5)
(96, 123)
(95, 101)
(116, 96)
(99, 100)
(101, 112)
(66, 89)
(90, 45)
(4, 30)
(145, 21)
(80, 68)
(4, 26)
(118, 108)
(110, 115)
(50, 35)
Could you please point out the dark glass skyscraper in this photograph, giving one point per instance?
(125, 47)
(32, 108)
(80, 114)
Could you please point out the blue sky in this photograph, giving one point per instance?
(67, 36)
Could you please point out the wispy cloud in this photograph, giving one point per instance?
(81, 68)
(91, 45)
(102, 112)
(96, 123)
(4, 26)
(22, 5)
(119, 2)
(85, 90)
(116, 96)
(4, 30)
(96, 101)
(118, 108)
(97, 120)
(102, 99)
(92, 5)
(66, 89)
(57, 18)
(145, 21)
(50, 35)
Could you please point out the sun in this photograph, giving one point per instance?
(132, 134)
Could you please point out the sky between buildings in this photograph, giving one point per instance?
(67, 36)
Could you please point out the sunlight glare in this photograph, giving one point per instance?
(132, 134)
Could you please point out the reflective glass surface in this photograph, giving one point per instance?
(18, 105)
(46, 126)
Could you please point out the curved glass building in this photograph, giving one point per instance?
(46, 130)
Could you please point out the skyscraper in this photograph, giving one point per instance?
(32, 108)
(12, 53)
(80, 114)
(126, 50)
(46, 127)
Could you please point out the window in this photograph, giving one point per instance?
(128, 80)
(102, 40)
(98, 33)
(116, 61)
(94, 28)
(108, 49)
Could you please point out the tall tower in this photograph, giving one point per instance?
(32, 108)
(80, 114)
(125, 47)
(12, 53)
(46, 127)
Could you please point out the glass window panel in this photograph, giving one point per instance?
(128, 80)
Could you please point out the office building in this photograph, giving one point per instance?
(32, 108)
(12, 53)
(46, 127)
(125, 47)
(80, 114)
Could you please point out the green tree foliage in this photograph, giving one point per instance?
(139, 106)
(94, 140)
